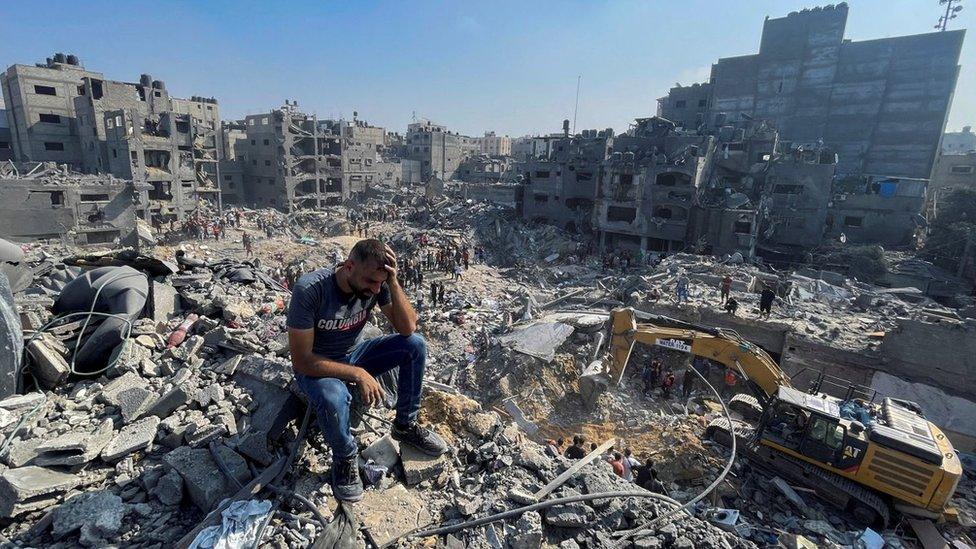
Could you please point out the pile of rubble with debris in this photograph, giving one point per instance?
(158, 406)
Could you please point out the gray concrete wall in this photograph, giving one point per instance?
(940, 354)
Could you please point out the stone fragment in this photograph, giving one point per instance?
(597, 481)
(129, 394)
(169, 488)
(521, 496)
(384, 451)
(131, 438)
(168, 402)
(98, 515)
(22, 452)
(47, 365)
(418, 466)
(482, 425)
(647, 543)
(75, 448)
(165, 301)
(388, 514)
(209, 394)
(569, 515)
(229, 366)
(28, 488)
(202, 436)
(22, 402)
(204, 480)
(532, 459)
(528, 532)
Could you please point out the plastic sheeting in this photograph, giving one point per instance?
(114, 290)
(538, 339)
(239, 526)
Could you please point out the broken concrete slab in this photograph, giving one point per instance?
(22, 452)
(388, 514)
(28, 488)
(76, 448)
(418, 466)
(569, 515)
(167, 403)
(131, 438)
(97, 514)
(165, 301)
(47, 365)
(129, 394)
(203, 478)
(169, 489)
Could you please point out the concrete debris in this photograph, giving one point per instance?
(516, 362)
(98, 516)
(28, 488)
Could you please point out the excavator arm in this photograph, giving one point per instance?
(723, 346)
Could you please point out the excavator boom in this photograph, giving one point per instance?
(723, 346)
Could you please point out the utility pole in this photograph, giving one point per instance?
(576, 110)
(952, 9)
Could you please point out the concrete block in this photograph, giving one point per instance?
(166, 404)
(201, 436)
(98, 515)
(75, 448)
(384, 451)
(418, 466)
(28, 488)
(169, 489)
(22, 402)
(22, 452)
(129, 394)
(49, 367)
(389, 514)
(131, 438)
(165, 301)
(201, 475)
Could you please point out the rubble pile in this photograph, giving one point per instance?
(198, 401)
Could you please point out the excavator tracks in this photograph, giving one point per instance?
(827, 484)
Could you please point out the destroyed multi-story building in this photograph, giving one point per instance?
(880, 104)
(438, 150)
(363, 147)
(560, 187)
(6, 137)
(232, 161)
(293, 160)
(61, 112)
(45, 200)
(482, 168)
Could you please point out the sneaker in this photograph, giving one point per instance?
(346, 484)
(421, 438)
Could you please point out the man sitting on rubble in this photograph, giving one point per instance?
(328, 311)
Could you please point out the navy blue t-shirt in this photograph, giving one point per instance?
(337, 317)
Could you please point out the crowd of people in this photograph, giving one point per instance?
(624, 464)
(654, 376)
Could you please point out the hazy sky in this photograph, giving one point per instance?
(505, 66)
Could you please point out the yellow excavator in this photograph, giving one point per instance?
(867, 455)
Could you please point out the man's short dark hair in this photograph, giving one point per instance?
(369, 250)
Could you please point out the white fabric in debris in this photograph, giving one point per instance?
(238, 528)
(538, 339)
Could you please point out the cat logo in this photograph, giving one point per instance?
(851, 452)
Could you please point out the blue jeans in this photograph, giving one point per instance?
(331, 397)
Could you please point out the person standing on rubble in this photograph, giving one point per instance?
(681, 288)
(726, 287)
(328, 311)
(688, 382)
(766, 301)
(630, 464)
(433, 295)
(440, 294)
(248, 246)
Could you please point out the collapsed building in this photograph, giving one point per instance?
(438, 150)
(61, 112)
(46, 201)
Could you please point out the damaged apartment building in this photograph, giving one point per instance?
(438, 150)
(293, 160)
(60, 112)
(41, 200)
(880, 105)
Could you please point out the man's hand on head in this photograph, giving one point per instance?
(391, 264)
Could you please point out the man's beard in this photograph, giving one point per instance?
(361, 293)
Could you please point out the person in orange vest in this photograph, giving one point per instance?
(730, 381)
